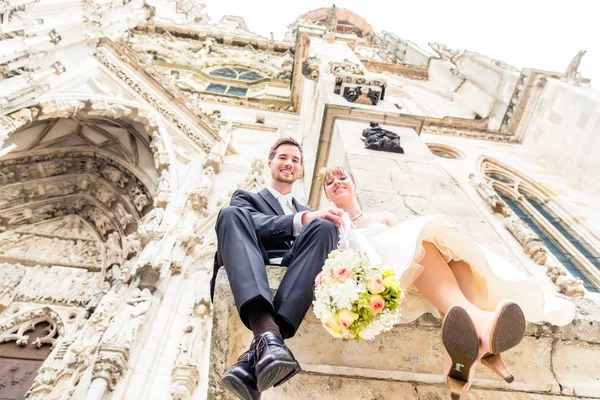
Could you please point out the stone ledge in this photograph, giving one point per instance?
(552, 361)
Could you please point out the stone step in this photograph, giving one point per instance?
(551, 361)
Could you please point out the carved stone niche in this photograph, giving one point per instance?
(377, 138)
(359, 89)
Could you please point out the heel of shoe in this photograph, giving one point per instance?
(457, 387)
(497, 364)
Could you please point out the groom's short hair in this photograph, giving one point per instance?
(282, 142)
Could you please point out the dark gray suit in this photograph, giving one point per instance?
(254, 229)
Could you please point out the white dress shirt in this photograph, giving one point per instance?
(288, 208)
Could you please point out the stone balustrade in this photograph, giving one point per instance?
(551, 363)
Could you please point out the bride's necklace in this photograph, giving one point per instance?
(357, 216)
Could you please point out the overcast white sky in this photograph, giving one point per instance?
(543, 34)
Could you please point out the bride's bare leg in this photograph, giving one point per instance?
(465, 279)
(440, 286)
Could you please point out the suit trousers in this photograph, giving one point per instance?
(244, 257)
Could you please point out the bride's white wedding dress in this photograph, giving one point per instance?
(495, 277)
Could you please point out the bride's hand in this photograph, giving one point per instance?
(331, 214)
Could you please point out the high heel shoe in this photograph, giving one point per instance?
(462, 344)
(507, 331)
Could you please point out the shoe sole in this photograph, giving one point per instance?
(508, 329)
(462, 344)
(276, 373)
(236, 386)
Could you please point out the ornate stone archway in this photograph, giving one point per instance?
(82, 190)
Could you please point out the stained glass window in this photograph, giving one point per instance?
(216, 88)
(237, 74)
(225, 73)
(236, 91)
(234, 74)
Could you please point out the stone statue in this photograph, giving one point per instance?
(123, 329)
(113, 249)
(490, 196)
(150, 228)
(310, 68)
(571, 71)
(161, 157)
(138, 197)
(132, 245)
(61, 108)
(105, 109)
(572, 287)
(332, 19)
(164, 189)
(377, 138)
(10, 276)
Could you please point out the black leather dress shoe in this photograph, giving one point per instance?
(275, 363)
(240, 378)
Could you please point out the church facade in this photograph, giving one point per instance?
(126, 125)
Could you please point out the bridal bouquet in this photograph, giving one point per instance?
(355, 299)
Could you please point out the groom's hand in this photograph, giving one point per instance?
(332, 214)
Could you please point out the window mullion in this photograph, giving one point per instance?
(586, 267)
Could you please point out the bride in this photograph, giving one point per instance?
(483, 299)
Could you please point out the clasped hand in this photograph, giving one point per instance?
(332, 214)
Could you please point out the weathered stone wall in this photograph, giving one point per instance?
(410, 184)
(406, 363)
(564, 131)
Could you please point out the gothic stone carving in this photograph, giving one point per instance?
(185, 373)
(114, 253)
(52, 250)
(443, 51)
(161, 157)
(17, 119)
(163, 193)
(132, 246)
(357, 88)
(377, 138)
(15, 328)
(199, 197)
(155, 103)
(62, 370)
(103, 108)
(139, 198)
(123, 328)
(150, 228)
(345, 67)
(310, 68)
(110, 366)
(10, 276)
(532, 244)
(71, 286)
(61, 108)
(571, 71)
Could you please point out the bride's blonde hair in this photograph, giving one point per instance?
(328, 173)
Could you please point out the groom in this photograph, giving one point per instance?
(271, 227)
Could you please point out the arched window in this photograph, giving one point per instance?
(241, 75)
(237, 74)
(444, 151)
(565, 243)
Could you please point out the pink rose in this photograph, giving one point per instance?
(342, 273)
(333, 322)
(319, 279)
(376, 304)
(347, 317)
(375, 285)
(347, 334)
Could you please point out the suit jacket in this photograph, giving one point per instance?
(274, 228)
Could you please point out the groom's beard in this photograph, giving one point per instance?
(277, 176)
